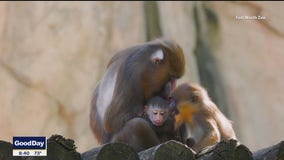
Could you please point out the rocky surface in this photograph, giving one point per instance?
(52, 56)
(250, 57)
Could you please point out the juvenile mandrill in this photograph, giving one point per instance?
(207, 123)
(134, 76)
(161, 118)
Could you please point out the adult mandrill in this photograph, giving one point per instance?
(133, 76)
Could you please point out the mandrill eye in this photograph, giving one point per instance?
(194, 98)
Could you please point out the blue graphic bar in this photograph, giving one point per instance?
(29, 142)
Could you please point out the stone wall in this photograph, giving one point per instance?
(52, 55)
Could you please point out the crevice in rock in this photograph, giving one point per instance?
(68, 117)
(152, 20)
(207, 27)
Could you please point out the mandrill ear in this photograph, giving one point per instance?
(157, 56)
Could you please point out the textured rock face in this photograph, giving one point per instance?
(51, 58)
(177, 23)
(251, 59)
(52, 55)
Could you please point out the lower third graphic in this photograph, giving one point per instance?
(29, 146)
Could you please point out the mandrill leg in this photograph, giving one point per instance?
(137, 133)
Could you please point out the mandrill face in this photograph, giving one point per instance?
(187, 98)
(160, 69)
